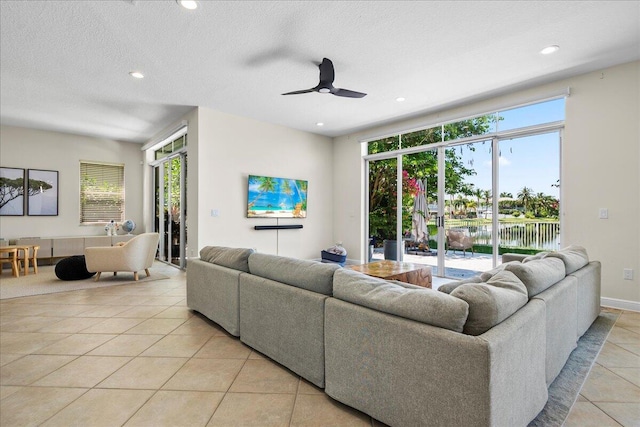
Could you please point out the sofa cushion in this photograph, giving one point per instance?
(310, 275)
(486, 275)
(235, 258)
(574, 257)
(491, 303)
(448, 287)
(507, 280)
(539, 274)
(539, 255)
(423, 305)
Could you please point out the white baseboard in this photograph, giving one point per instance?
(620, 304)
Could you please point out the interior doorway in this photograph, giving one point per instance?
(170, 185)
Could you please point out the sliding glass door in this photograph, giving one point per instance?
(170, 208)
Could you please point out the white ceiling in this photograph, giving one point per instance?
(65, 64)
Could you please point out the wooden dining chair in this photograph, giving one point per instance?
(32, 256)
(12, 259)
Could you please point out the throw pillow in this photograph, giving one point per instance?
(489, 304)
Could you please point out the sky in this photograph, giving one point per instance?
(533, 161)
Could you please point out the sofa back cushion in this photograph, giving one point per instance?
(447, 288)
(310, 275)
(423, 305)
(235, 258)
(539, 255)
(574, 257)
(492, 302)
(486, 275)
(538, 275)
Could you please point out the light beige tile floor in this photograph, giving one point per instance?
(135, 355)
(611, 394)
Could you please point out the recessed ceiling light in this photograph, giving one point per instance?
(136, 74)
(319, 124)
(188, 4)
(550, 49)
(400, 99)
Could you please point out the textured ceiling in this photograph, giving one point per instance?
(65, 64)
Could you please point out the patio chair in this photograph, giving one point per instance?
(459, 240)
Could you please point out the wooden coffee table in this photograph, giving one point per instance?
(416, 274)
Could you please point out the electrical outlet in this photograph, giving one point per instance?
(604, 213)
(627, 273)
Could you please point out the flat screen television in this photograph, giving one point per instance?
(270, 197)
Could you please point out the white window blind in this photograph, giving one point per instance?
(101, 192)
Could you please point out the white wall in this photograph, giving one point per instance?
(600, 169)
(229, 149)
(35, 149)
(223, 150)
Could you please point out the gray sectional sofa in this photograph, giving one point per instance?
(479, 352)
(274, 304)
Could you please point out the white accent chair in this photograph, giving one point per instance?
(135, 255)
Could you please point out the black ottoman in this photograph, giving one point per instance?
(72, 268)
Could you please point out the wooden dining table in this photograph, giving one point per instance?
(24, 249)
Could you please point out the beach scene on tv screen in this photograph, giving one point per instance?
(270, 197)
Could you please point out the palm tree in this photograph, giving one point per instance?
(301, 190)
(286, 187)
(524, 196)
(478, 195)
(472, 204)
(538, 204)
(267, 185)
(487, 195)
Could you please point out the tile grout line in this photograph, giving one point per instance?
(606, 413)
(295, 401)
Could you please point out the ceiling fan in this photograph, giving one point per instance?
(326, 83)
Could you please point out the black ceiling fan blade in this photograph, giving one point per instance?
(296, 92)
(327, 73)
(349, 93)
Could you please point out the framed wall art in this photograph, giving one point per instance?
(11, 191)
(42, 190)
